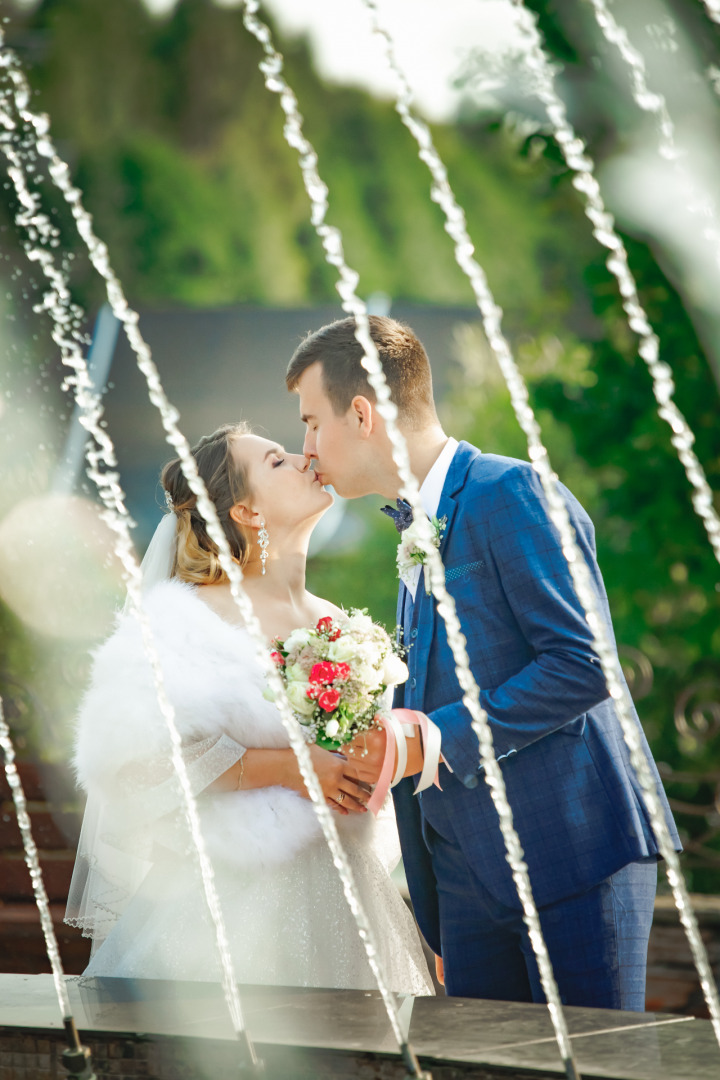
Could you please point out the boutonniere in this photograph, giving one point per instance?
(410, 554)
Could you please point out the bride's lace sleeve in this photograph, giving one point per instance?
(126, 823)
(154, 787)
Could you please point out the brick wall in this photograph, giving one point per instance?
(672, 984)
(36, 1055)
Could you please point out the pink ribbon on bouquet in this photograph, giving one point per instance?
(393, 724)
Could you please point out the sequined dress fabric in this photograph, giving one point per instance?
(287, 926)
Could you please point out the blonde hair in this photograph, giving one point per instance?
(196, 556)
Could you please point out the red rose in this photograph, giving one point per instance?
(324, 625)
(329, 700)
(314, 692)
(342, 671)
(278, 658)
(335, 634)
(323, 672)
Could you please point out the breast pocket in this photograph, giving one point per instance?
(465, 571)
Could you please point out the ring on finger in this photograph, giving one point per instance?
(339, 797)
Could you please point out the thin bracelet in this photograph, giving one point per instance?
(242, 771)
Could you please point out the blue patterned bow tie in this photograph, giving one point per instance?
(402, 517)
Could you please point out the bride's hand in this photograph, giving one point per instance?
(342, 792)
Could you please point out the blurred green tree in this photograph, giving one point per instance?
(179, 150)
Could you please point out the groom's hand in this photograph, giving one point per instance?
(366, 754)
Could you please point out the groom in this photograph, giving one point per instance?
(590, 851)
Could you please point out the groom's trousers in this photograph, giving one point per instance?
(597, 941)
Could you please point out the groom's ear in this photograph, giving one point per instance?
(363, 415)
(245, 516)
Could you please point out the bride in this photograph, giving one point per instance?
(136, 888)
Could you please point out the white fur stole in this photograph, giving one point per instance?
(214, 681)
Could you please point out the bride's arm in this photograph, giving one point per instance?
(223, 765)
(259, 768)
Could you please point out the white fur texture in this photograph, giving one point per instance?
(214, 682)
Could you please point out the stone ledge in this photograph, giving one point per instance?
(181, 1031)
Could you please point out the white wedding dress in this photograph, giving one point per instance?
(136, 888)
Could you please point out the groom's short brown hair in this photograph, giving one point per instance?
(402, 354)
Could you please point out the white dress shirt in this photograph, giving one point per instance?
(430, 493)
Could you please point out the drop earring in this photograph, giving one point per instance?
(263, 540)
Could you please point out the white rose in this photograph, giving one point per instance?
(360, 622)
(295, 673)
(367, 652)
(331, 728)
(298, 639)
(412, 535)
(411, 549)
(341, 650)
(297, 696)
(394, 670)
(368, 676)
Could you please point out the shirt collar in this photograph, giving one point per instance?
(434, 482)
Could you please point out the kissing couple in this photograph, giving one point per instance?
(577, 807)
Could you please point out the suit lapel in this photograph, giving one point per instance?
(424, 614)
(399, 692)
(400, 610)
(424, 621)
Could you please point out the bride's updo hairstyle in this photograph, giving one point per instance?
(196, 558)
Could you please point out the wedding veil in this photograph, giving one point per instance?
(157, 565)
(106, 874)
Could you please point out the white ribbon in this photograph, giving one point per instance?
(432, 740)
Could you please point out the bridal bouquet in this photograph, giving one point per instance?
(335, 675)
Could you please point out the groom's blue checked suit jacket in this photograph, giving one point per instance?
(576, 802)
